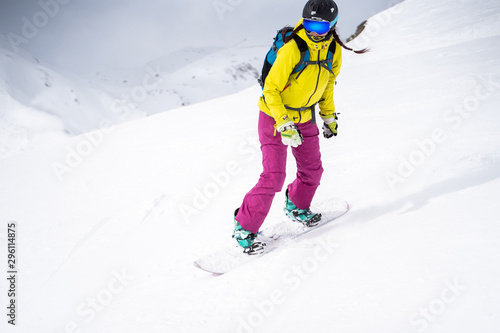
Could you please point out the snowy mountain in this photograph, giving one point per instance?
(109, 222)
(87, 37)
(86, 61)
(38, 100)
(68, 104)
(186, 77)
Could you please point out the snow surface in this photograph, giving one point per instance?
(110, 221)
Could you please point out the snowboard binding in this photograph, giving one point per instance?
(304, 216)
(247, 239)
(255, 249)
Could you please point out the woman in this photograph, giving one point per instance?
(287, 119)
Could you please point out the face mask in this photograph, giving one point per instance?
(317, 38)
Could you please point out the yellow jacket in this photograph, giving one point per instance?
(315, 84)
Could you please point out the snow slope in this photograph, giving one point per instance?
(110, 221)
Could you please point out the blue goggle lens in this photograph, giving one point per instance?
(319, 27)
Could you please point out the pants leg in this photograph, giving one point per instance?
(309, 167)
(257, 202)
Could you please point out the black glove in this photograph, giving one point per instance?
(330, 129)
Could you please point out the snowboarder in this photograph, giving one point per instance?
(287, 119)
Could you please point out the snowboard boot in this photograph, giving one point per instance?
(304, 216)
(246, 239)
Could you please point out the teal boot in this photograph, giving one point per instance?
(304, 216)
(246, 239)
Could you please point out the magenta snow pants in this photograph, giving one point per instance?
(257, 202)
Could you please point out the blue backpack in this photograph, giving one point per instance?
(281, 38)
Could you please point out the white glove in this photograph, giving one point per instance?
(290, 134)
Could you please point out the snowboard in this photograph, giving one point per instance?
(275, 236)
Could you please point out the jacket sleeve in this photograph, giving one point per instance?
(326, 103)
(278, 79)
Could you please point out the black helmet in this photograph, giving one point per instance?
(326, 10)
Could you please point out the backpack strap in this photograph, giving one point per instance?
(325, 64)
(302, 45)
(328, 64)
(280, 39)
(312, 108)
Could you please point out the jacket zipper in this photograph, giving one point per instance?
(317, 80)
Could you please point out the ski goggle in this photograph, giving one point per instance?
(319, 27)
